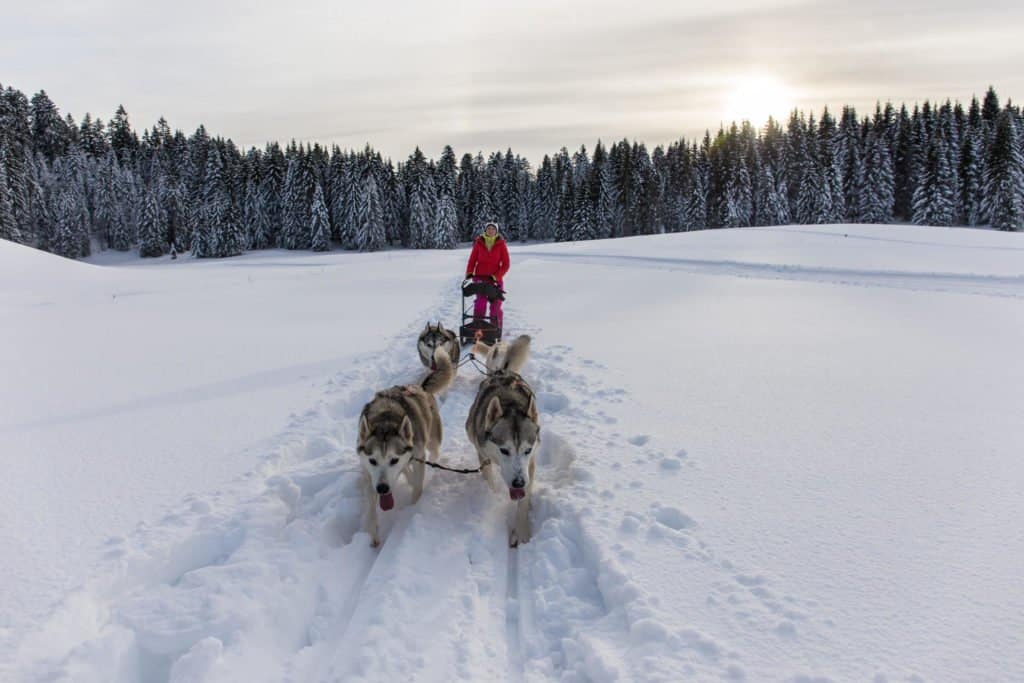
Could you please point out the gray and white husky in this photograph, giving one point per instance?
(434, 337)
(507, 356)
(396, 425)
(504, 427)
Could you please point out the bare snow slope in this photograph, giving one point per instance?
(768, 454)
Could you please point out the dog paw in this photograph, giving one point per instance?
(516, 537)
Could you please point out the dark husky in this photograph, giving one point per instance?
(433, 337)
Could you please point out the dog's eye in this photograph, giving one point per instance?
(373, 462)
(394, 461)
(527, 451)
(504, 451)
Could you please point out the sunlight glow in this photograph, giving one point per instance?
(756, 97)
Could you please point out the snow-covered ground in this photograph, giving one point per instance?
(768, 454)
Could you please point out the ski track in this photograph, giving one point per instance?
(958, 283)
(272, 579)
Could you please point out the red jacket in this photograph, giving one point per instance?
(483, 262)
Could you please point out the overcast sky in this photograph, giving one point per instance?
(531, 74)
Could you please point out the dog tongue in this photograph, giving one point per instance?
(387, 501)
(516, 494)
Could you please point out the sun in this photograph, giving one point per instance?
(756, 97)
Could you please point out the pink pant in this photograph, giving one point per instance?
(480, 304)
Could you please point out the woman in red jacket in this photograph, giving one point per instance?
(488, 261)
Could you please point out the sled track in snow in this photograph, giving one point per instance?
(273, 580)
(980, 285)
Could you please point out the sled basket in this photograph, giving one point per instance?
(484, 328)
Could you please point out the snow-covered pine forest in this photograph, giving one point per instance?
(69, 187)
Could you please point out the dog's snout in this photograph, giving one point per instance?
(383, 488)
(518, 482)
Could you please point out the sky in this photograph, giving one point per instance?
(532, 75)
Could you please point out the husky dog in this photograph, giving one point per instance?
(396, 425)
(503, 426)
(507, 356)
(433, 337)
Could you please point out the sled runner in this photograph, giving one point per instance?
(483, 328)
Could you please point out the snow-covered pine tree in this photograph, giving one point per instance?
(566, 210)
(1004, 177)
(294, 225)
(152, 225)
(696, 217)
(446, 224)
(972, 178)
(812, 207)
(833, 201)
(65, 239)
(215, 204)
(320, 224)
(876, 195)
(903, 166)
(465, 203)
(849, 161)
(369, 216)
(771, 199)
(8, 226)
(934, 194)
(124, 209)
(122, 139)
(607, 202)
(644, 191)
(231, 239)
(583, 225)
(422, 211)
(49, 131)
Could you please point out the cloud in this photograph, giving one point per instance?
(533, 75)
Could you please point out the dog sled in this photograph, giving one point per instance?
(483, 328)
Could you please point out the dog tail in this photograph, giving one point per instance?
(441, 378)
(518, 352)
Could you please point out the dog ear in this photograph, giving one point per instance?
(493, 412)
(405, 429)
(531, 409)
(364, 428)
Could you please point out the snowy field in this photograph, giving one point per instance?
(773, 454)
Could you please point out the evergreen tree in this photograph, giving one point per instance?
(122, 139)
(583, 224)
(1004, 177)
(66, 237)
(465, 201)
(934, 195)
(990, 109)
(369, 216)
(877, 192)
(8, 226)
(152, 226)
(566, 211)
(972, 178)
(49, 132)
(320, 226)
(446, 225)
(696, 216)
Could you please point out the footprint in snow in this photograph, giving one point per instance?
(673, 518)
(639, 439)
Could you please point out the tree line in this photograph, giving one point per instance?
(69, 187)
